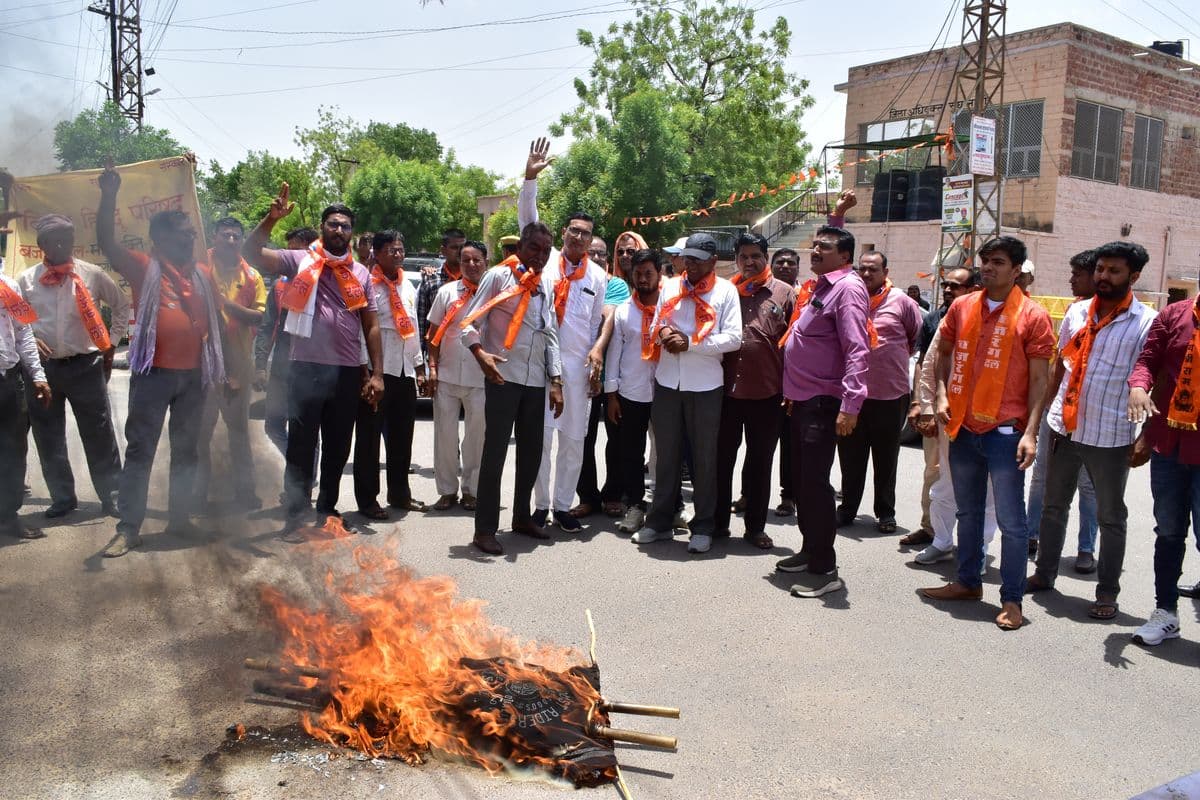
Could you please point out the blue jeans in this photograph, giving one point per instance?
(1176, 491)
(973, 459)
(1088, 521)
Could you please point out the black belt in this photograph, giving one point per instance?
(76, 357)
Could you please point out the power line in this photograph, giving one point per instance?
(1168, 17)
(1152, 32)
(1181, 11)
(249, 10)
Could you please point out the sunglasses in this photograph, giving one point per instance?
(627, 251)
(952, 285)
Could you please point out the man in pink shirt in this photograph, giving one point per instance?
(893, 323)
(824, 371)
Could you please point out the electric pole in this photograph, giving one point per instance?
(978, 89)
(125, 41)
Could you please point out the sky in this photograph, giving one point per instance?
(485, 76)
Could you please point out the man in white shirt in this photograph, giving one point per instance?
(18, 350)
(697, 321)
(77, 352)
(576, 289)
(1098, 344)
(403, 375)
(456, 384)
(629, 384)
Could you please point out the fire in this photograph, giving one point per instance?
(414, 668)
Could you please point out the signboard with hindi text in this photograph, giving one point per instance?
(983, 146)
(958, 198)
(147, 187)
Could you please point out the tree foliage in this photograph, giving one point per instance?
(405, 195)
(649, 166)
(723, 81)
(246, 191)
(96, 135)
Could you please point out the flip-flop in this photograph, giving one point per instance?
(1104, 609)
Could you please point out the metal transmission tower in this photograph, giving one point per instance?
(978, 89)
(125, 39)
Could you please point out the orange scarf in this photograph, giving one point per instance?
(1077, 352)
(748, 286)
(464, 297)
(309, 272)
(93, 323)
(804, 295)
(454, 274)
(984, 397)
(876, 302)
(246, 293)
(527, 285)
(651, 349)
(1184, 413)
(563, 287)
(510, 262)
(400, 318)
(16, 306)
(706, 317)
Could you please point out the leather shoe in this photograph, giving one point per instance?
(488, 543)
(1189, 589)
(1085, 563)
(528, 528)
(1010, 617)
(953, 591)
(57, 510)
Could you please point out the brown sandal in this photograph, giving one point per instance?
(1104, 609)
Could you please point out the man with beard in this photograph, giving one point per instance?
(175, 357)
(76, 351)
(431, 282)
(629, 384)
(243, 300)
(752, 405)
(893, 322)
(697, 322)
(456, 385)
(511, 329)
(577, 289)
(1098, 344)
(330, 310)
(991, 374)
(591, 495)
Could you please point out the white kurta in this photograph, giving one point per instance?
(576, 334)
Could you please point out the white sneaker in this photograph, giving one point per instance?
(699, 543)
(681, 520)
(634, 519)
(647, 534)
(1161, 626)
(933, 554)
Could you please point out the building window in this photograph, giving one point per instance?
(1021, 155)
(1147, 152)
(1096, 153)
(894, 129)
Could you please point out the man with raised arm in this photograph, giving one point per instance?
(330, 310)
(576, 288)
(176, 355)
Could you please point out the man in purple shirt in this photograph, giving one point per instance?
(326, 378)
(824, 385)
(893, 323)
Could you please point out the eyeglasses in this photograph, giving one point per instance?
(826, 246)
(627, 251)
(952, 285)
(579, 233)
(340, 226)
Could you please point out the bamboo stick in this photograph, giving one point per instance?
(263, 665)
(615, 707)
(636, 737)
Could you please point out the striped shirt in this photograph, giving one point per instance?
(1102, 402)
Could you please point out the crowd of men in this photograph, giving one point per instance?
(538, 350)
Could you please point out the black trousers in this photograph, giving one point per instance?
(324, 403)
(785, 460)
(814, 442)
(393, 420)
(876, 436)
(80, 381)
(14, 426)
(508, 407)
(588, 488)
(758, 421)
(631, 440)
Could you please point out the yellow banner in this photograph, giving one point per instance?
(148, 187)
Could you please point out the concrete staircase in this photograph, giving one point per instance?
(800, 236)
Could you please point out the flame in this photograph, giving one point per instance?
(397, 649)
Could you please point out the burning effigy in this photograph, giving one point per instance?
(400, 666)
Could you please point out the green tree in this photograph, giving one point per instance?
(246, 191)
(725, 81)
(404, 142)
(502, 223)
(580, 181)
(95, 136)
(405, 195)
(649, 165)
(462, 185)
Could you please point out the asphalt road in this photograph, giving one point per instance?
(119, 678)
